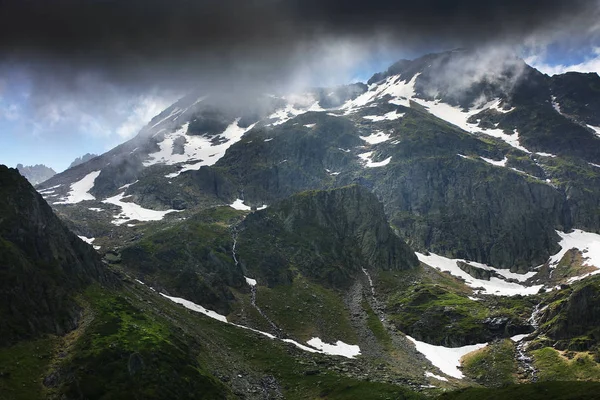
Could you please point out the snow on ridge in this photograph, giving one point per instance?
(131, 211)
(199, 151)
(174, 112)
(458, 117)
(596, 129)
(195, 307)
(80, 190)
(369, 163)
(283, 115)
(86, 239)
(376, 137)
(447, 359)
(400, 91)
(495, 286)
(494, 162)
(338, 349)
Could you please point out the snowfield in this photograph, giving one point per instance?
(131, 211)
(80, 190)
(447, 359)
(494, 286)
(338, 349)
(376, 137)
(369, 163)
(198, 151)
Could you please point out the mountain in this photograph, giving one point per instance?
(438, 226)
(84, 158)
(36, 173)
(44, 265)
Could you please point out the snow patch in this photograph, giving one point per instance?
(495, 286)
(458, 117)
(376, 137)
(310, 125)
(195, 307)
(238, 204)
(400, 91)
(447, 359)
(338, 349)
(131, 211)
(198, 151)
(80, 189)
(586, 242)
(546, 154)
(494, 162)
(369, 163)
(596, 129)
(432, 375)
(391, 116)
(96, 209)
(86, 239)
(518, 338)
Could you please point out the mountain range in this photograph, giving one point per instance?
(434, 229)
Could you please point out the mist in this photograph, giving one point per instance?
(103, 67)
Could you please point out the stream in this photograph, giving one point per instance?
(252, 283)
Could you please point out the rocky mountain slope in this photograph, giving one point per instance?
(447, 210)
(44, 265)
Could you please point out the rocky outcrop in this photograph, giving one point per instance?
(572, 317)
(475, 272)
(42, 264)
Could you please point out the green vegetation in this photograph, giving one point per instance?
(192, 259)
(554, 366)
(305, 310)
(127, 353)
(535, 391)
(22, 367)
(376, 326)
(492, 366)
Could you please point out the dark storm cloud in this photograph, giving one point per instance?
(144, 40)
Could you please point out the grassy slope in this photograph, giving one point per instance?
(136, 344)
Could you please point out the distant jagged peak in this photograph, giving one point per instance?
(36, 174)
(84, 158)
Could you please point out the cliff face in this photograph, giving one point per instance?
(328, 235)
(572, 317)
(42, 264)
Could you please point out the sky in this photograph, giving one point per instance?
(81, 76)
